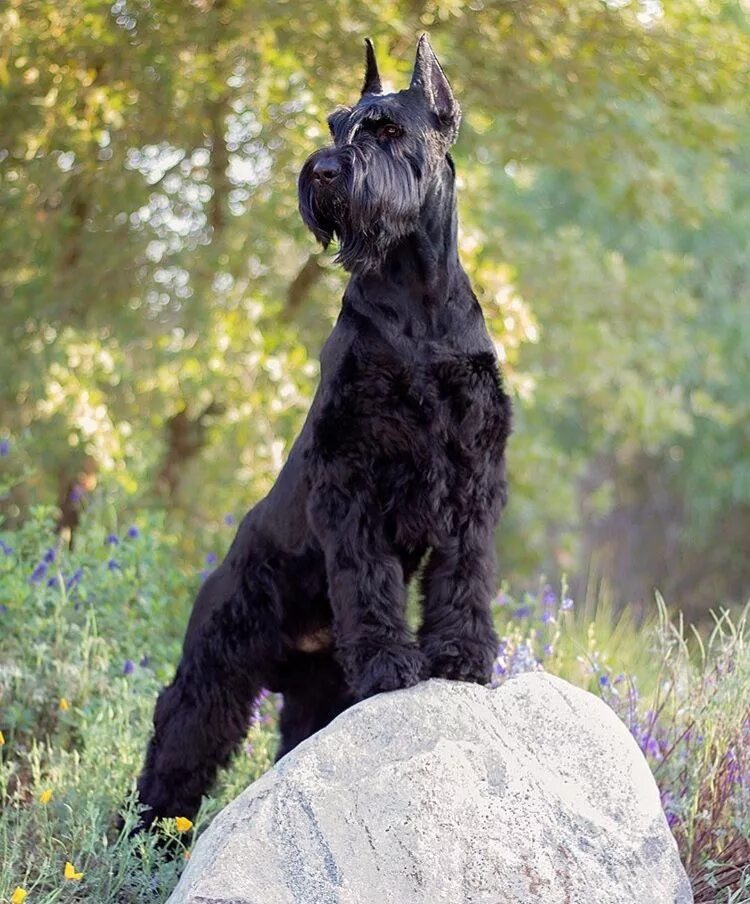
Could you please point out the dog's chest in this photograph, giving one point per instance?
(421, 435)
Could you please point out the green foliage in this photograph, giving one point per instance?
(699, 726)
(84, 648)
(163, 306)
(86, 645)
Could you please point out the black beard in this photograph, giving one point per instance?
(371, 205)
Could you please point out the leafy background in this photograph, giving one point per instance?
(161, 312)
(162, 306)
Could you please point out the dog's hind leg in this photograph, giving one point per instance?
(200, 719)
(315, 692)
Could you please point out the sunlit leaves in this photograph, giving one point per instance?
(148, 164)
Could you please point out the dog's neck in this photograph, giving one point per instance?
(420, 275)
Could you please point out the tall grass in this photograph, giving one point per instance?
(686, 700)
(88, 637)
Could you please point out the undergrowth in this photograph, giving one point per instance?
(88, 636)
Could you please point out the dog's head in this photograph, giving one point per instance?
(367, 189)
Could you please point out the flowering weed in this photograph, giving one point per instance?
(84, 652)
(81, 660)
(686, 701)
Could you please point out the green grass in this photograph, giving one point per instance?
(85, 646)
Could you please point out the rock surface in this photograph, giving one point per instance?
(533, 792)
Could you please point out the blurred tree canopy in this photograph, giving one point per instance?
(162, 306)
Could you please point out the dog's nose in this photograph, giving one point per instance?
(326, 168)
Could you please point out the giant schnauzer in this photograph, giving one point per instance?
(400, 462)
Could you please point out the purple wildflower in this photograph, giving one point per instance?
(548, 649)
(549, 597)
(4, 447)
(111, 540)
(211, 558)
(523, 660)
(733, 767)
(547, 618)
(8, 550)
(144, 662)
(3, 609)
(502, 599)
(522, 612)
(74, 579)
(650, 746)
(38, 573)
(77, 493)
(51, 582)
(667, 804)
(113, 565)
(128, 667)
(49, 556)
(566, 604)
(133, 532)
(229, 520)
(603, 681)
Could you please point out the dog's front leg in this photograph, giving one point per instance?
(374, 644)
(457, 636)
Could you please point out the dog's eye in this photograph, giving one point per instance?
(389, 131)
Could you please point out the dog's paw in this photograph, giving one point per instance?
(390, 670)
(459, 659)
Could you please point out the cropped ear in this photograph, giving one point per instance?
(429, 79)
(372, 83)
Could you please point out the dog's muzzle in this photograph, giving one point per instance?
(326, 168)
(322, 193)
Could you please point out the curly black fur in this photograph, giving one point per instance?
(402, 454)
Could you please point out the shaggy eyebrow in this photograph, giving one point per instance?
(345, 122)
(378, 112)
(370, 118)
(378, 120)
(337, 120)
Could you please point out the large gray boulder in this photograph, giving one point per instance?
(532, 792)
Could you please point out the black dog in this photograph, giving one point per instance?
(402, 454)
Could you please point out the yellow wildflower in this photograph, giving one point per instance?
(186, 855)
(46, 796)
(18, 896)
(183, 824)
(2, 739)
(70, 872)
(64, 704)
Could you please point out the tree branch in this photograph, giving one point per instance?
(299, 288)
